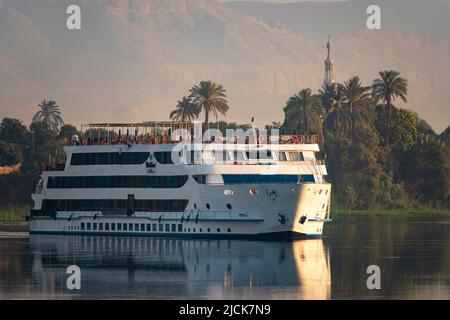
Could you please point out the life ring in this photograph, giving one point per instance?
(294, 139)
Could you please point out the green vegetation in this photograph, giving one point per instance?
(49, 114)
(208, 97)
(185, 110)
(32, 147)
(378, 156)
(424, 212)
(14, 213)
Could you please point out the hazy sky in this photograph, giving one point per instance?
(281, 1)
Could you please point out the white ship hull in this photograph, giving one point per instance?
(276, 211)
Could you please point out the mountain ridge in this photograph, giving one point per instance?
(133, 59)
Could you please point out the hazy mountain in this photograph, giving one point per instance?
(319, 19)
(133, 59)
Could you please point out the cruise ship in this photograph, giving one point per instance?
(171, 179)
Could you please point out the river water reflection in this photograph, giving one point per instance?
(413, 254)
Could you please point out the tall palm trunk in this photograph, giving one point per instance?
(206, 119)
(389, 118)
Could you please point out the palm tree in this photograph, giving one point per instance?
(209, 97)
(299, 110)
(387, 88)
(185, 110)
(326, 94)
(49, 114)
(339, 119)
(355, 94)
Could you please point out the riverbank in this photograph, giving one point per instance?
(14, 213)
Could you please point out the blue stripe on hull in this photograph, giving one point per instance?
(269, 178)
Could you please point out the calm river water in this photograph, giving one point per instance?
(412, 253)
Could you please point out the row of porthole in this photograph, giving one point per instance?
(320, 191)
(201, 230)
(208, 206)
(137, 227)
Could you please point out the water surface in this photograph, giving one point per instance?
(412, 253)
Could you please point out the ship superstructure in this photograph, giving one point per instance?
(160, 178)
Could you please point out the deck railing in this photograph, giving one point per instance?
(166, 139)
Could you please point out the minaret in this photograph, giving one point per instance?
(329, 66)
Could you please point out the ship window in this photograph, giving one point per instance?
(167, 226)
(119, 227)
(200, 230)
(229, 230)
(100, 182)
(281, 156)
(209, 230)
(100, 226)
(136, 227)
(320, 191)
(82, 226)
(208, 206)
(154, 227)
(88, 226)
(161, 227)
(218, 229)
(148, 227)
(142, 227)
(113, 226)
(124, 227)
(104, 204)
(259, 155)
(163, 157)
(108, 158)
(106, 226)
(200, 179)
(195, 206)
(174, 227)
(295, 156)
(228, 192)
(229, 206)
(239, 156)
(130, 226)
(94, 226)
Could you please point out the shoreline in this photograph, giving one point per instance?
(435, 213)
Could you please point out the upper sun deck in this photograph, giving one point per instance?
(172, 132)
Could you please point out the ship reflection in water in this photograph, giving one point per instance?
(162, 268)
(412, 253)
